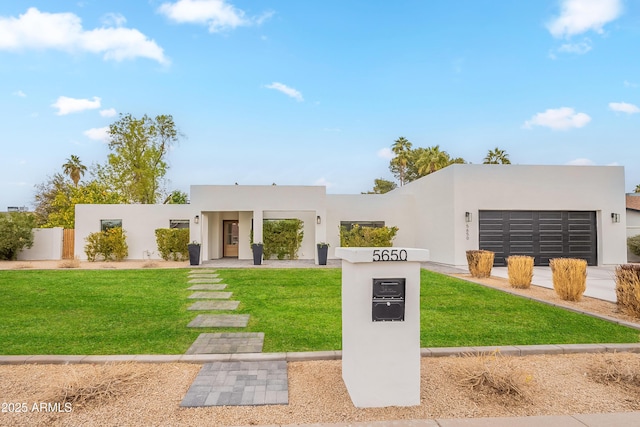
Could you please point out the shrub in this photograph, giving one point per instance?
(569, 277)
(16, 233)
(495, 373)
(634, 244)
(376, 237)
(480, 263)
(282, 238)
(173, 243)
(628, 288)
(520, 270)
(621, 370)
(111, 244)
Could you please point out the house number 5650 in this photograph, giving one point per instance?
(389, 255)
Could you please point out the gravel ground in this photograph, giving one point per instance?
(150, 394)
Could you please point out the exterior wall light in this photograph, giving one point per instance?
(318, 220)
(467, 217)
(615, 218)
(196, 219)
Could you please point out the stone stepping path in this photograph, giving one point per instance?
(203, 276)
(214, 305)
(205, 287)
(210, 295)
(239, 383)
(219, 321)
(227, 343)
(217, 280)
(202, 271)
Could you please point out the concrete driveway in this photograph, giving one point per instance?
(600, 280)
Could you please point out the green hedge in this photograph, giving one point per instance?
(282, 238)
(173, 243)
(634, 244)
(110, 244)
(377, 237)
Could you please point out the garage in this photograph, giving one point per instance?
(541, 234)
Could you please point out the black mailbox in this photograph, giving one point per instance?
(388, 300)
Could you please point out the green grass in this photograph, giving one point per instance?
(145, 312)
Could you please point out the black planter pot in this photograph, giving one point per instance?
(257, 253)
(194, 254)
(322, 254)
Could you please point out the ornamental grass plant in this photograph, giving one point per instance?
(628, 288)
(520, 270)
(480, 263)
(569, 277)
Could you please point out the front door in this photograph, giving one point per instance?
(230, 235)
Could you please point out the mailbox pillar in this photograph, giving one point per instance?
(381, 325)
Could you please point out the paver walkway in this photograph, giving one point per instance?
(210, 295)
(239, 383)
(216, 280)
(214, 305)
(219, 321)
(216, 287)
(228, 343)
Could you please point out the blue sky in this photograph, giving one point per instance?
(310, 92)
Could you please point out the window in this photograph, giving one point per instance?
(106, 224)
(349, 224)
(178, 223)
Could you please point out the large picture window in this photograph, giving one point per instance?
(178, 223)
(106, 224)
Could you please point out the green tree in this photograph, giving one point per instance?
(432, 159)
(177, 197)
(497, 157)
(16, 233)
(637, 190)
(74, 169)
(382, 186)
(45, 196)
(398, 166)
(136, 166)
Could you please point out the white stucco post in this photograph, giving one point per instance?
(258, 216)
(380, 349)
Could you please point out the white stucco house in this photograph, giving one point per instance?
(542, 211)
(633, 221)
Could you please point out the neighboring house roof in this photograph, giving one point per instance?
(633, 201)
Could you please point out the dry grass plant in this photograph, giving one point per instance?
(480, 263)
(608, 369)
(520, 270)
(569, 277)
(69, 263)
(494, 373)
(102, 384)
(150, 264)
(628, 288)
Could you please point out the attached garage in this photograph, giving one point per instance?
(541, 234)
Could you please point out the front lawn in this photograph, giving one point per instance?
(145, 312)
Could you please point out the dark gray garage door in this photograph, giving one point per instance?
(540, 234)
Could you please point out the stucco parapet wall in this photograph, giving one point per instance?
(361, 255)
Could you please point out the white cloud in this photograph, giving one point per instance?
(286, 90)
(113, 20)
(98, 134)
(558, 119)
(581, 162)
(218, 15)
(66, 105)
(624, 107)
(20, 93)
(630, 84)
(580, 16)
(109, 112)
(63, 31)
(577, 48)
(385, 153)
(323, 181)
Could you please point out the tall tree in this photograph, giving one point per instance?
(74, 169)
(431, 160)
(177, 197)
(136, 166)
(46, 194)
(497, 157)
(637, 190)
(382, 186)
(398, 166)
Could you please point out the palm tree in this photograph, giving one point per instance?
(431, 160)
(402, 149)
(637, 190)
(74, 169)
(497, 157)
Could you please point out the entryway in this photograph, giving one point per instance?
(230, 238)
